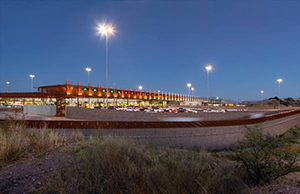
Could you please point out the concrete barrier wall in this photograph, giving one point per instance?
(113, 115)
(212, 138)
(40, 110)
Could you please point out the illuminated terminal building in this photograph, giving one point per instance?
(94, 97)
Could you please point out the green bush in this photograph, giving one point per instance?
(265, 158)
(115, 165)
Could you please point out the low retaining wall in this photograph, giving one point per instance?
(113, 115)
(212, 138)
(40, 110)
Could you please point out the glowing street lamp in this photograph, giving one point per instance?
(7, 83)
(140, 88)
(208, 69)
(192, 91)
(88, 70)
(279, 82)
(32, 76)
(105, 30)
(189, 87)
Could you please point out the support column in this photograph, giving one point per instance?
(60, 107)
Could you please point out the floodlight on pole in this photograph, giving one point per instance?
(105, 30)
(88, 70)
(189, 86)
(208, 69)
(32, 76)
(140, 88)
(192, 91)
(7, 83)
(262, 97)
(279, 82)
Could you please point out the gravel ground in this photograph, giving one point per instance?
(274, 189)
(24, 176)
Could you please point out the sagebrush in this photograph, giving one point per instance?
(114, 165)
(265, 158)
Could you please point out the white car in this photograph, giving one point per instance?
(148, 110)
(159, 110)
(130, 109)
(223, 110)
(120, 108)
(192, 110)
(136, 110)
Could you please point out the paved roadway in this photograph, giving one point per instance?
(9, 114)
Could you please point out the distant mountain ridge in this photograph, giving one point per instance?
(273, 101)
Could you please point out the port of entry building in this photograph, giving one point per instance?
(93, 97)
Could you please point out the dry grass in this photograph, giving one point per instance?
(16, 141)
(114, 165)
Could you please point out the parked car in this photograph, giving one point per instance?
(191, 110)
(181, 110)
(158, 110)
(199, 110)
(136, 109)
(148, 110)
(223, 110)
(207, 110)
(111, 108)
(129, 109)
(120, 108)
(167, 110)
(142, 109)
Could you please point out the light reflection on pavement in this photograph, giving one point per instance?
(180, 119)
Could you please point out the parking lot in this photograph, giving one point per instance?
(145, 114)
(154, 115)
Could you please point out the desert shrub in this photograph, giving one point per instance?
(292, 135)
(16, 141)
(265, 158)
(12, 140)
(114, 165)
(44, 139)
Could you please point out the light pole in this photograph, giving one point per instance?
(279, 81)
(189, 86)
(192, 92)
(106, 30)
(208, 69)
(140, 88)
(262, 97)
(7, 83)
(32, 76)
(88, 70)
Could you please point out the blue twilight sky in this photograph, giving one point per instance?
(159, 45)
